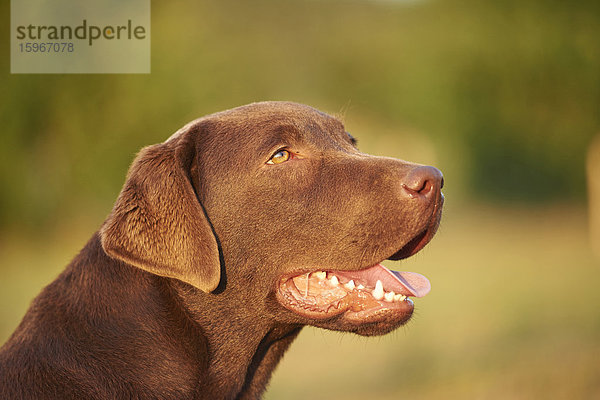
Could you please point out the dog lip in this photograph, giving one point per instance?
(413, 246)
(422, 238)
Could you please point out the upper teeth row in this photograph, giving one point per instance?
(378, 293)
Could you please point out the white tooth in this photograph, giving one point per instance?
(334, 281)
(378, 291)
(389, 296)
(349, 285)
(399, 297)
(360, 287)
(321, 275)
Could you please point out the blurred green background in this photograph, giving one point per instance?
(503, 96)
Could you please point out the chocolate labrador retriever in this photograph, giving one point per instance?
(225, 240)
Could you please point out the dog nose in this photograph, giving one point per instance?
(423, 182)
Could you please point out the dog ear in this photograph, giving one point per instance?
(158, 223)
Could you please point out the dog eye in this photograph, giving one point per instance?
(280, 157)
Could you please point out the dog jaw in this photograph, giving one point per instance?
(350, 300)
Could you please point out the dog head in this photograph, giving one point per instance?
(273, 205)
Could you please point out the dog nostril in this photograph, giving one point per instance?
(422, 181)
(423, 188)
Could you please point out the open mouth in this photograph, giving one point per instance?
(373, 295)
(362, 294)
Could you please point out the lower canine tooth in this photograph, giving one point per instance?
(349, 285)
(389, 296)
(378, 291)
(334, 281)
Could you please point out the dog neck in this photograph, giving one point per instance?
(244, 346)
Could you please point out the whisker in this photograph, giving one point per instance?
(306, 290)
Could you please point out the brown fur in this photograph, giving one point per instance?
(174, 297)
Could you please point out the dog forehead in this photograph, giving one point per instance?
(272, 114)
(264, 120)
(265, 109)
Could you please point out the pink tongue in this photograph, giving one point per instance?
(406, 283)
